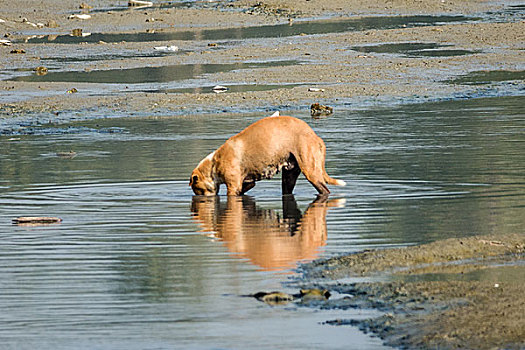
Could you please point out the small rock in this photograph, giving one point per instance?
(84, 6)
(72, 91)
(273, 298)
(18, 51)
(314, 294)
(52, 24)
(318, 110)
(76, 32)
(41, 70)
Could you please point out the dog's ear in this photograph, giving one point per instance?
(194, 179)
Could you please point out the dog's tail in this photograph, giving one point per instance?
(332, 181)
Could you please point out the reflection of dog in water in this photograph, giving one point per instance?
(266, 238)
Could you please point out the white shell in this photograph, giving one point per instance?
(81, 16)
(139, 3)
(166, 48)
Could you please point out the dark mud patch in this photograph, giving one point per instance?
(267, 31)
(456, 293)
(415, 49)
(488, 77)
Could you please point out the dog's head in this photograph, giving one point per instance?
(202, 180)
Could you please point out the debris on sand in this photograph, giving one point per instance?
(70, 154)
(319, 110)
(171, 48)
(273, 298)
(5, 42)
(33, 220)
(72, 91)
(139, 3)
(312, 89)
(219, 88)
(281, 298)
(41, 70)
(80, 16)
(18, 51)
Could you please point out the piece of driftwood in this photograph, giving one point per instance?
(36, 220)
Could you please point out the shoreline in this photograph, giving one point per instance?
(288, 66)
(448, 294)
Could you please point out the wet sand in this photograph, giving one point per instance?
(327, 61)
(455, 293)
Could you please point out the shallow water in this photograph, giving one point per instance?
(489, 76)
(415, 49)
(267, 31)
(148, 74)
(138, 262)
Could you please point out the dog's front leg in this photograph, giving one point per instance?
(234, 187)
(234, 191)
(246, 186)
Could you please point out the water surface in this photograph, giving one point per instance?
(138, 262)
(148, 74)
(415, 49)
(267, 31)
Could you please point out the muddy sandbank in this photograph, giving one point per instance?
(329, 61)
(455, 293)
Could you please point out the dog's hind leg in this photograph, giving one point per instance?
(311, 161)
(290, 178)
(290, 175)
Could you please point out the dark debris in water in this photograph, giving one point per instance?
(305, 296)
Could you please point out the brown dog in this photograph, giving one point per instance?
(260, 151)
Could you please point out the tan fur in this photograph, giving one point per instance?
(269, 146)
